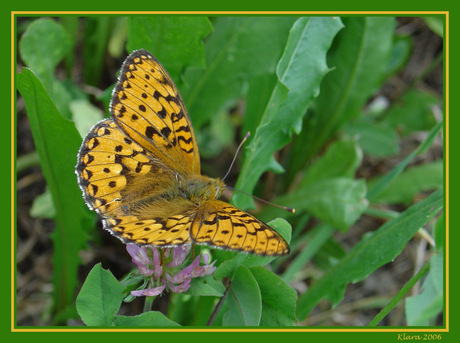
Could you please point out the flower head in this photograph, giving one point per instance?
(165, 268)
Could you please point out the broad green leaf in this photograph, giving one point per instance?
(429, 303)
(152, 318)
(85, 115)
(414, 180)
(260, 89)
(299, 71)
(176, 41)
(374, 138)
(238, 48)
(359, 57)
(373, 251)
(278, 298)
(336, 201)
(231, 261)
(413, 112)
(42, 47)
(206, 286)
(57, 143)
(244, 300)
(100, 297)
(341, 159)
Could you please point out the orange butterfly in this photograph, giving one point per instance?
(140, 170)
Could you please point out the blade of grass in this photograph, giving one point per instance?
(319, 236)
(373, 251)
(384, 182)
(382, 314)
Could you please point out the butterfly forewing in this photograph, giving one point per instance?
(148, 107)
(105, 159)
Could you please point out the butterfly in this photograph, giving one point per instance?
(140, 171)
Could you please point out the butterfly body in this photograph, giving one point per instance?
(140, 170)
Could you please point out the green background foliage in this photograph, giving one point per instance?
(308, 90)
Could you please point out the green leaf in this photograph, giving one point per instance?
(278, 298)
(400, 54)
(436, 24)
(57, 158)
(337, 201)
(399, 296)
(374, 250)
(420, 309)
(413, 112)
(43, 206)
(100, 297)
(374, 138)
(231, 261)
(259, 91)
(440, 232)
(359, 56)
(116, 44)
(281, 226)
(382, 184)
(218, 135)
(152, 318)
(341, 159)
(42, 47)
(299, 71)
(414, 180)
(85, 115)
(206, 286)
(26, 161)
(238, 48)
(315, 239)
(176, 41)
(244, 300)
(95, 37)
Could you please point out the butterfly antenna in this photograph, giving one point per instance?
(236, 154)
(289, 209)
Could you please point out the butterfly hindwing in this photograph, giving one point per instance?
(165, 232)
(222, 225)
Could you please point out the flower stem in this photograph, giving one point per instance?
(220, 303)
(148, 304)
(400, 295)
